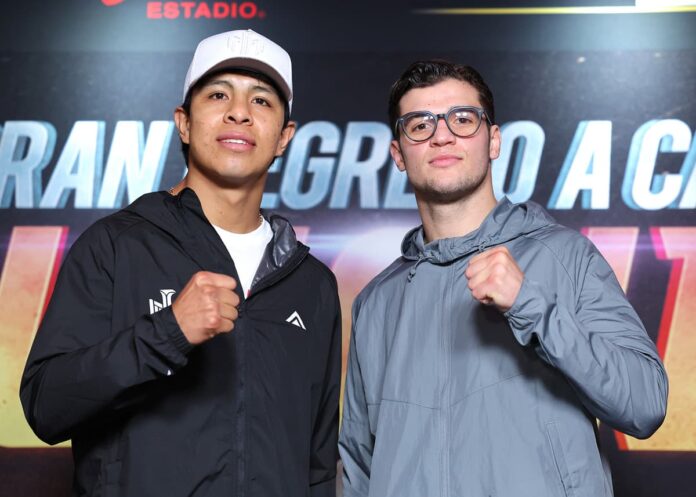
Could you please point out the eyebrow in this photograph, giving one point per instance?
(257, 87)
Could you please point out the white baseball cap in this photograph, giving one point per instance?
(244, 49)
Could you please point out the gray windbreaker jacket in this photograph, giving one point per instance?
(446, 397)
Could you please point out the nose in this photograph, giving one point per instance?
(442, 135)
(238, 111)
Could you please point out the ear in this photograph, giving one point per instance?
(285, 137)
(494, 142)
(395, 151)
(181, 119)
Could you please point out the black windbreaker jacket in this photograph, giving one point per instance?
(249, 413)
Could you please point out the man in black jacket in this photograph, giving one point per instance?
(192, 346)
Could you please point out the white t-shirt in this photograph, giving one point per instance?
(246, 250)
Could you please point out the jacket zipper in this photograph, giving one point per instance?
(264, 283)
(449, 338)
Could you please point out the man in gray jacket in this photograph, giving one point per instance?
(481, 359)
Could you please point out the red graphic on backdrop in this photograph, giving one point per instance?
(204, 10)
(199, 10)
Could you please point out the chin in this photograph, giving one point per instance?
(442, 197)
(447, 193)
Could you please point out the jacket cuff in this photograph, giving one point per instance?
(168, 322)
(528, 313)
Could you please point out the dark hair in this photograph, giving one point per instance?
(186, 105)
(425, 73)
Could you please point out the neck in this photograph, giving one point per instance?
(232, 209)
(455, 219)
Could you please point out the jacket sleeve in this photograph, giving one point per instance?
(78, 367)
(593, 335)
(356, 442)
(324, 456)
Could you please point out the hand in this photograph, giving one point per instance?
(206, 307)
(495, 278)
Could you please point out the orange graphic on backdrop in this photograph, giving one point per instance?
(111, 3)
(676, 340)
(34, 254)
(31, 266)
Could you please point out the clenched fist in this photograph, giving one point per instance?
(207, 306)
(494, 278)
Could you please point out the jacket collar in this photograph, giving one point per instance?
(505, 222)
(182, 217)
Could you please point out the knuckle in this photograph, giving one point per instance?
(499, 257)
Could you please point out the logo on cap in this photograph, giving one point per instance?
(245, 43)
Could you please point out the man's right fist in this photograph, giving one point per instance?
(207, 306)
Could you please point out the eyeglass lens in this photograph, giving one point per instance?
(461, 121)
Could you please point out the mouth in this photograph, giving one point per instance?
(236, 141)
(444, 160)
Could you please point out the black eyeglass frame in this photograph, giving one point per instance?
(445, 116)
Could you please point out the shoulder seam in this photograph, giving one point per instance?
(324, 269)
(554, 254)
(114, 232)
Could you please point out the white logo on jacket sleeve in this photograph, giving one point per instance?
(295, 319)
(166, 301)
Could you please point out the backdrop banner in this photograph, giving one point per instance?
(597, 106)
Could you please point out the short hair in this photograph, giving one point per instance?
(186, 105)
(425, 73)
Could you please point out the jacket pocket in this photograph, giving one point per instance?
(373, 417)
(559, 459)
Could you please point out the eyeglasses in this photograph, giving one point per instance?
(462, 121)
